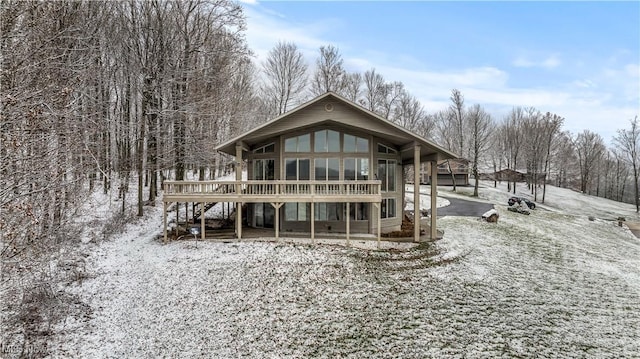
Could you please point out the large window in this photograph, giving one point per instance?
(388, 208)
(327, 211)
(295, 211)
(387, 174)
(386, 149)
(297, 169)
(327, 141)
(359, 211)
(300, 143)
(327, 169)
(264, 169)
(270, 148)
(355, 144)
(356, 169)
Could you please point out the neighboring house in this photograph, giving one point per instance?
(459, 169)
(509, 175)
(328, 165)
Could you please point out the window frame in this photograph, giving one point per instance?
(385, 205)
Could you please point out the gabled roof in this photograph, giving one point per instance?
(320, 110)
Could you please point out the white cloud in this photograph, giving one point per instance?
(601, 100)
(633, 70)
(586, 83)
(549, 62)
(522, 62)
(265, 28)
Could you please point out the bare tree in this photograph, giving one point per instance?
(564, 159)
(47, 123)
(352, 86)
(375, 90)
(89, 89)
(481, 126)
(614, 175)
(498, 151)
(444, 132)
(329, 75)
(512, 129)
(628, 143)
(390, 96)
(409, 113)
(457, 111)
(532, 146)
(590, 148)
(551, 128)
(285, 71)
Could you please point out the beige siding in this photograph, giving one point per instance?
(302, 127)
(346, 115)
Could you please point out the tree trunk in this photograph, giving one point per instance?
(453, 176)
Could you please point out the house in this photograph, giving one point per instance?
(328, 165)
(509, 175)
(448, 170)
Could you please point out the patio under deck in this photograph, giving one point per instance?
(267, 235)
(275, 192)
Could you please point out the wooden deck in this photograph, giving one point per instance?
(275, 191)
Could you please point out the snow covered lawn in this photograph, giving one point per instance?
(550, 284)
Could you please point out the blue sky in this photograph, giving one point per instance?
(580, 60)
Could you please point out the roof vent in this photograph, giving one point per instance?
(328, 107)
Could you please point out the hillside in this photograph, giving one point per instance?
(560, 199)
(551, 284)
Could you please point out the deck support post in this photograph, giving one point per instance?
(177, 218)
(434, 196)
(238, 220)
(238, 190)
(276, 225)
(186, 214)
(348, 223)
(202, 234)
(379, 216)
(313, 224)
(416, 193)
(164, 220)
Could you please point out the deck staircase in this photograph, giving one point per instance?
(196, 209)
(207, 206)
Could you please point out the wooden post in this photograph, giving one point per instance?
(434, 197)
(313, 223)
(379, 211)
(416, 193)
(239, 220)
(186, 214)
(238, 190)
(164, 220)
(202, 234)
(348, 223)
(277, 206)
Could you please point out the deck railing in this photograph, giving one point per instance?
(275, 189)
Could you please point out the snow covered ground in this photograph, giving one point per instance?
(551, 284)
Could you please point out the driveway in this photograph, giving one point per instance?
(461, 207)
(634, 227)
